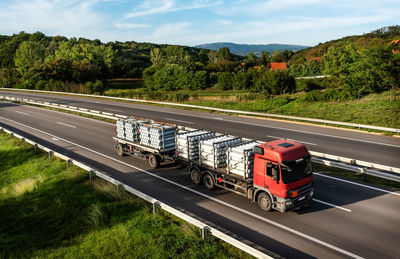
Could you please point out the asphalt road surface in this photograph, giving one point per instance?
(345, 219)
(341, 142)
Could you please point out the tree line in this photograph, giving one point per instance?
(357, 64)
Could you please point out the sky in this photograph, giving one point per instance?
(193, 22)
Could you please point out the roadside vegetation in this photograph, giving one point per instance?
(363, 82)
(48, 210)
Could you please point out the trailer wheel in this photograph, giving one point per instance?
(208, 181)
(120, 149)
(154, 161)
(195, 175)
(264, 201)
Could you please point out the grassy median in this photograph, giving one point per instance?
(48, 210)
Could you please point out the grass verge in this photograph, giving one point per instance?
(48, 210)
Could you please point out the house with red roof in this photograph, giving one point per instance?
(278, 66)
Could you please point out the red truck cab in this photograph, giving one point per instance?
(282, 176)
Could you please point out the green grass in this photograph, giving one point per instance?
(48, 210)
(374, 109)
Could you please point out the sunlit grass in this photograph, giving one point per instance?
(48, 210)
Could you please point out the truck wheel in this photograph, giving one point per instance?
(154, 162)
(120, 149)
(195, 175)
(264, 201)
(208, 181)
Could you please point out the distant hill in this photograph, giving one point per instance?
(245, 49)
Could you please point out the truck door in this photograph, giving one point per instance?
(272, 177)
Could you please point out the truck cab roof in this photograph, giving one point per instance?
(283, 150)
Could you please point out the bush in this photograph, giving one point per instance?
(225, 81)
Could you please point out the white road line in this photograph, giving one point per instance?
(189, 122)
(65, 124)
(114, 110)
(73, 115)
(281, 128)
(307, 143)
(315, 240)
(332, 205)
(24, 113)
(54, 138)
(358, 184)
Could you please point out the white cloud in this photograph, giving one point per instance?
(131, 25)
(150, 7)
(225, 22)
(170, 33)
(70, 18)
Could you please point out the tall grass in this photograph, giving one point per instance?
(48, 210)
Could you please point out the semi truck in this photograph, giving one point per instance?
(276, 174)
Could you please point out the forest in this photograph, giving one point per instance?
(356, 65)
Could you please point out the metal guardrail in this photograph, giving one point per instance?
(206, 230)
(382, 171)
(268, 115)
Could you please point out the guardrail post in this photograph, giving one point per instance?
(205, 231)
(69, 162)
(22, 140)
(155, 206)
(11, 135)
(1, 130)
(91, 172)
(50, 154)
(35, 146)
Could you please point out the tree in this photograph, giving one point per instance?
(28, 55)
(265, 58)
(224, 54)
(225, 81)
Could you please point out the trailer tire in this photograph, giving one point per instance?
(154, 161)
(264, 201)
(120, 149)
(195, 175)
(208, 181)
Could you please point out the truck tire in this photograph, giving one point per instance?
(120, 149)
(208, 181)
(154, 161)
(264, 201)
(195, 175)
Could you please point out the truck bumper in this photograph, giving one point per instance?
(284, 205)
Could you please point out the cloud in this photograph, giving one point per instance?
(150, 7)
(225, 22)
(170, 32)
(70, 18)
(131, 25)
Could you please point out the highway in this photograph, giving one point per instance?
(346, 220)
(341, 142)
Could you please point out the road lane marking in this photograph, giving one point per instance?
(273, 127)
(54, 138)
(358, 184)
(307, 143)
(189, 122)
(332, 205)
(73, 115)
(271, 222)
(24, 113)
(65, 124)
(114, 110)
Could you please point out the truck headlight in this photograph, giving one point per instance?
(288, 203)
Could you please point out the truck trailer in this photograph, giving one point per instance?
(277, 174)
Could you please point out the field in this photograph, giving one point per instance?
(48, 210)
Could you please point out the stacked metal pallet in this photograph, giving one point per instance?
(187, 143)
(128, 129)
(213, 150)
(158, 136)
(241, 159)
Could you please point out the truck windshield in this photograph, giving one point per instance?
(294, 170)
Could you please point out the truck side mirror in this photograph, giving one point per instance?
(274, 174)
